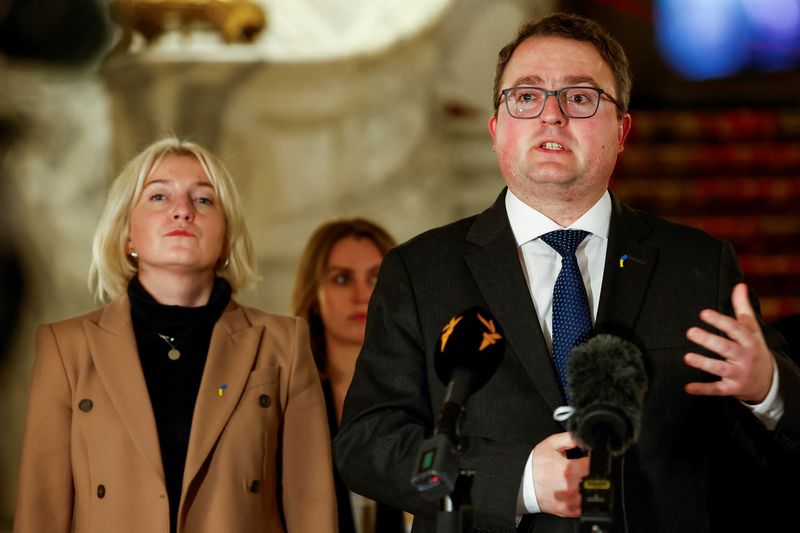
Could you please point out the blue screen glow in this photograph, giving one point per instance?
(705, 39)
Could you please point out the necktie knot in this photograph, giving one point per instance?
(565, 241)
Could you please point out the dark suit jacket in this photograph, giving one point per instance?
(388, 519)
(673, 272)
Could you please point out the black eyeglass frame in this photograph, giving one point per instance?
(557, 93)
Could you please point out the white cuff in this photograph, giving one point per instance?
(770, 411)
(526, 499)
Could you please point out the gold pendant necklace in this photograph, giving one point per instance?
(174, 354)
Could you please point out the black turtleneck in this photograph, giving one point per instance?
(173, 385)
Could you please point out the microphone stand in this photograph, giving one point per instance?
(439, 474)
(455, 514)
(597, 489)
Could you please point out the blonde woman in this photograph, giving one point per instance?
(173, 408)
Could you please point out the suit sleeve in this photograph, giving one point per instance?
(309, 501)
(388, 413)
(45, 490)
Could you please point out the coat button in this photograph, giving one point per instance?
(255, 485)
(101, 491)
(85, 405)
(264, 400)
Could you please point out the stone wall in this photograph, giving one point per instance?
(390, 129)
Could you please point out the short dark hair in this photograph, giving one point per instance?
(577, 28)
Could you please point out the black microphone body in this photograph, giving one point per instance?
(601, 432)
(468, 353)
(458, 390)
(607, 385)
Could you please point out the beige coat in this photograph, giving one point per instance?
(259, 453)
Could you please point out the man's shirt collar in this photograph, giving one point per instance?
(527, 223)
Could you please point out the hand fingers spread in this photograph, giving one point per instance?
(719, 345)
(745, 367)
(707, 364)
(744, 331)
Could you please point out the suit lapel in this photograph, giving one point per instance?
(231, 356)
(629, 265)
(498, 274)
(112, 345)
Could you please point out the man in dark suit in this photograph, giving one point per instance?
(560, 119)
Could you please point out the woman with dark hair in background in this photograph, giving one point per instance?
(174, 408)
(334, 282)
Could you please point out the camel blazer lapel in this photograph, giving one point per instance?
(231, 357)
(112, 347)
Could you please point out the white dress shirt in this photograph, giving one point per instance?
(541, 265)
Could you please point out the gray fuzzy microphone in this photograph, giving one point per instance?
(607, 386)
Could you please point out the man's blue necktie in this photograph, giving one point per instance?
(572, 318)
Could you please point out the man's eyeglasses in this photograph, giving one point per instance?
(574, 102)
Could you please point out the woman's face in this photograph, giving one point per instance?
(345, 289)
(178, 224)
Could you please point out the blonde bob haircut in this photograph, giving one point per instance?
(111, 269)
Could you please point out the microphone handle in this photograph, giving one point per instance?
(600, 456)
(458, 389)
(437, 461)
(454, 399)
(597, 489)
